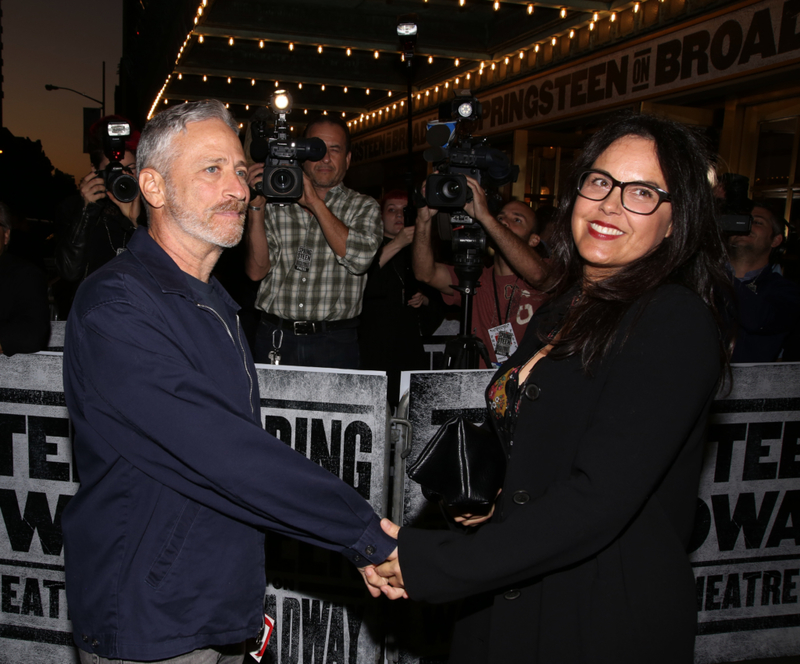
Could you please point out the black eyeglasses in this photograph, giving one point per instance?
(637, 197)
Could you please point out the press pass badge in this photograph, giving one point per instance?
(303, 260)
(263, 638)
(503, 340)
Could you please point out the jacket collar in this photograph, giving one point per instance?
(165, 271)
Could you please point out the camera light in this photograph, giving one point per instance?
(406, 29)
(460, 3)
(465, 109)
(119, 129)
(280, 102)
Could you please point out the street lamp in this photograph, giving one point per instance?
(102, 102)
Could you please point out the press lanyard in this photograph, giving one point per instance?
(500, 321)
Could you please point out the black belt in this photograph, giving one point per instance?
(303, 327)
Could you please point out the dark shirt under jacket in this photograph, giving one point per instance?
(585, 559)
(769, 309)
(91, 236)
(24, 308)
(390, 331)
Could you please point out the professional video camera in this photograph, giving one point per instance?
(734, 211)
(456, 154)
(122, 185)
(283, 176)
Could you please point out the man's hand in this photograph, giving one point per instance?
(418, 300)
(92, 188)
(478, 207)
(310, 199)
(255, 174)
(404, 237)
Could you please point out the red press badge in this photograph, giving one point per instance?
(263, 638)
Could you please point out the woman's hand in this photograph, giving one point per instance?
(386, 578)
(472, 519)
(92, 188)
(418, 300)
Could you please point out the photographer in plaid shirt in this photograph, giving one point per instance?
(312, 257)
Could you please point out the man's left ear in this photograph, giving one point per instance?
(349, 154)
(777, 241)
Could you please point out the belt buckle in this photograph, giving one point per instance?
(303, 327)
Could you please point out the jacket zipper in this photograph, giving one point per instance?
(244, 355)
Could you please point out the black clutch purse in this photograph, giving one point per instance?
(463, 465)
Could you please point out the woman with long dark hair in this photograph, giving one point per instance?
(602, 412)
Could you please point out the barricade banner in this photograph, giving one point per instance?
(37, 480)
(322, 610)
(338, 420)
(746, 544)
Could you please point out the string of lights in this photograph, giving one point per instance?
(477, 72)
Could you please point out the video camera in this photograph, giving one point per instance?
(457, 154)
(283, 176)
(122, 185)
(734, 212)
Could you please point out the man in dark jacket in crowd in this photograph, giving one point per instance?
(769, 305)
(24, 309)
(163, 542)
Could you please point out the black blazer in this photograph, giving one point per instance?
(585, 559)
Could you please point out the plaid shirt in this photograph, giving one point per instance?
(333, 287)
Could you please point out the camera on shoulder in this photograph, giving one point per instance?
(282, 155)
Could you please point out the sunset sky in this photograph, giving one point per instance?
(62, 43)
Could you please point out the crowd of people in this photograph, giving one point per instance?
(592, 333)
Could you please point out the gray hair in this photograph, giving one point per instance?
(155, 145)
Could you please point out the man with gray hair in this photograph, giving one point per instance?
(164, 539)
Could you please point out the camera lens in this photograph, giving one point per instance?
(450, 190)
(123, 187)
(282, 181)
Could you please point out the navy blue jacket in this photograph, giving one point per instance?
(163, 544)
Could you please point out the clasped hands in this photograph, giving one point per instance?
(386, 578)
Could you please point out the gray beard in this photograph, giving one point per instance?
(203, 229)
